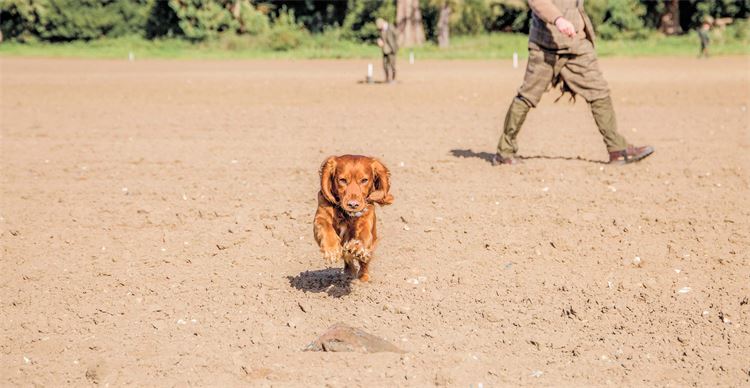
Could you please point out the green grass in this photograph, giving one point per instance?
(330, 46)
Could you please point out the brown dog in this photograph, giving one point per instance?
(350, 185)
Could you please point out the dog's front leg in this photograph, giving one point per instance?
(325, 235)
(362, 244)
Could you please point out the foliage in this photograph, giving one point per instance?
(67, 20)
(719, 9)
(315, 15)
(286, 33)
(359, 23)
(286, 24)
(617, 19)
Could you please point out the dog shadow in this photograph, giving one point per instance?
(332, 281)
(487, 156)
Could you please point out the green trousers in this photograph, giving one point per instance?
(581, 76)
(389, 65)
(604, 116)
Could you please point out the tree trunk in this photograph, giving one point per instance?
(237, 9)
(409, 23)
(670, 21)
(444, 26)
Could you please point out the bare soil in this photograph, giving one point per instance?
(157, 226)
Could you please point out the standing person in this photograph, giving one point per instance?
(561, 51)
(388, 42)
(705, 39)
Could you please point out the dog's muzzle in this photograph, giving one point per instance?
(356, 214)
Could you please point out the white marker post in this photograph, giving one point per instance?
(411, 57)
(515, 60)
(369, 73)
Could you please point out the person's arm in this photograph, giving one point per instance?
(548, 12)
(392, 41)
(545, 10)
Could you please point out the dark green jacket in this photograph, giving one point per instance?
(543, 32)
(390, 41)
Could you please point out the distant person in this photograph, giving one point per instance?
(561, 51)
(705, 38)
(388, 42)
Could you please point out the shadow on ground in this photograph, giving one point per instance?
(487, 156)
(378, 82)
(332, 281)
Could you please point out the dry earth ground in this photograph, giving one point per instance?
(156, 226)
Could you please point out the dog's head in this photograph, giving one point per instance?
(351, 181)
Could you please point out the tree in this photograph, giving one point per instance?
(670, 20)
(444, 25)
(409, 23)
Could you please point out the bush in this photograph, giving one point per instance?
(617, 19)
(508, 16)
(251, 20)
(739, 30)
(359, 23)
(68, 20)
(286, 33)
(470, 17)
(199, 20)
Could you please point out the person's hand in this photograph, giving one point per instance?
(380, 42)
(565, 26)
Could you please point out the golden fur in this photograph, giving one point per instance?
(344, 224)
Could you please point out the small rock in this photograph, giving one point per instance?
(536, 373)
(343, 338)
(684, 290)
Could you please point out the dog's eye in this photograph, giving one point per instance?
(364, 181)
(342, 181)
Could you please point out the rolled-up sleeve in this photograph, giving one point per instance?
(545, 10)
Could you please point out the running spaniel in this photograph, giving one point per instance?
(344, 227)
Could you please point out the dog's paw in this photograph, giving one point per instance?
(332, 254)
(357, 250)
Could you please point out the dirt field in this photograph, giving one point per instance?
(157, 226)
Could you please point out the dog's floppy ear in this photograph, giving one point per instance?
(381, 184)
(327, 169)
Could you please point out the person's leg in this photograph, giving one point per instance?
(392, 61)
(507, 146)
(604, 116)
(582, 75)
(539, 73)
(386, 68)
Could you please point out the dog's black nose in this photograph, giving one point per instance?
(353, 204)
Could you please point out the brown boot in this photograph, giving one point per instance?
(630, 154)
(499, 159)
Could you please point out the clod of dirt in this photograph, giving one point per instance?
(343, 338)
